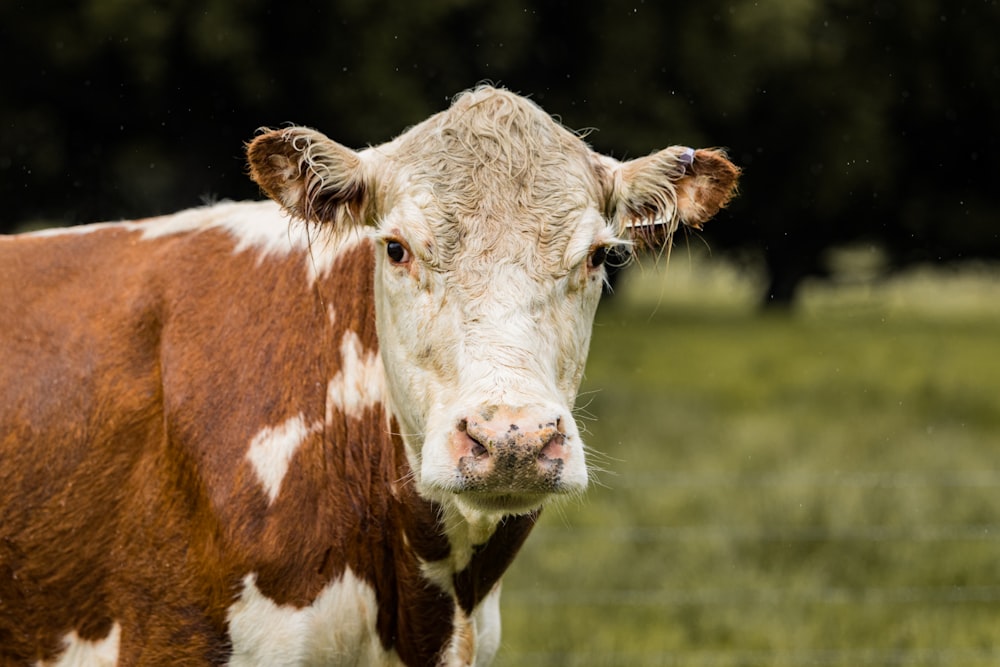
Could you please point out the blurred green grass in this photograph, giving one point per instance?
(819, 487)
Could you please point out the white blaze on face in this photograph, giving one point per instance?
(96, 653)
(499, 322)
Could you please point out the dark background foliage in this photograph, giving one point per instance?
(856, 121)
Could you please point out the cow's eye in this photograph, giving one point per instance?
(597, 256)
(397, 252)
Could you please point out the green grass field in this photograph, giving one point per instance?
(815, 488)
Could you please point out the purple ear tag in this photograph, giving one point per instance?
(687, 158)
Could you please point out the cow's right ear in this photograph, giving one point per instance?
(649, 196)
(313, 177)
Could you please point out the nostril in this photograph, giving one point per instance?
(474, 438)
(553, 449)
(477, 449)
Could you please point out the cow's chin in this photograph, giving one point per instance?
(505, 504)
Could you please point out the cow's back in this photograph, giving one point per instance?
(79, 399)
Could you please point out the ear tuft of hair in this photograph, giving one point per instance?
(653, 195)
(709, 185)
(311, 176)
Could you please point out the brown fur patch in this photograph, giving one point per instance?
(491, 560)
(125, 491)
(708, 187)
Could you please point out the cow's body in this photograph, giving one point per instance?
(209, 389)
(207, 457)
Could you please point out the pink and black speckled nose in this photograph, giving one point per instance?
(512, 450)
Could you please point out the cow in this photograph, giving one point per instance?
(314, 429)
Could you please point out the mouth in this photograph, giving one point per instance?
(507, 503)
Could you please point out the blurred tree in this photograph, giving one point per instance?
(855, 120)
(880, 126)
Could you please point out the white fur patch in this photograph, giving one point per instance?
(272, 449)
(265, 229)
(83, 653)
(338, 628)
(360, 384)
(260, 227)
(76, 230)
(487, 623)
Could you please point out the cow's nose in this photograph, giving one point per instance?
(513, 437)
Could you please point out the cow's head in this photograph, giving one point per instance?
(492, 225)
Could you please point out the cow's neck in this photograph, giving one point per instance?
(464, 555)
(463, 560)
(490, 559)
(475, 550)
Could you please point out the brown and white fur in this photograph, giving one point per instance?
(317, 431)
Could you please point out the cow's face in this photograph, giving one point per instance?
(484, 319)
(492, 225)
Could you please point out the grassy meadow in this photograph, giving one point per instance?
(819, 487)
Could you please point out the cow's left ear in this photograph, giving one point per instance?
(677, 184)
(313, 177)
